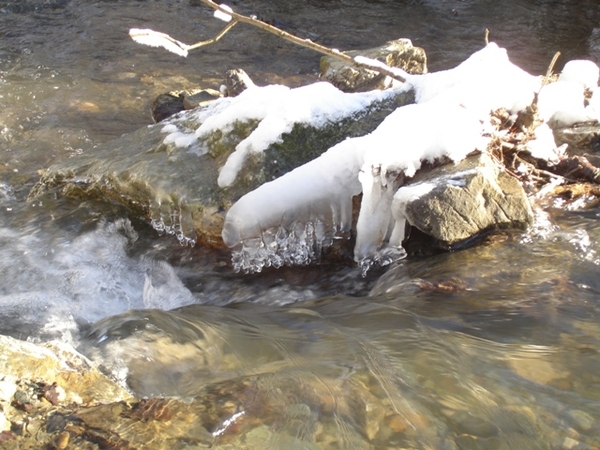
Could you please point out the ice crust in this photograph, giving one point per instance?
(289, 220)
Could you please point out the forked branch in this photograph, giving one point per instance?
(156, 39)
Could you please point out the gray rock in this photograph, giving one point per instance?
(201, 97)
(466, 199)
(399, 53)
(236, 82)
(581, 139)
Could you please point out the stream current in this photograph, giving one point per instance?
(494, 347)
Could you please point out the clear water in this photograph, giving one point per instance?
(491, 347)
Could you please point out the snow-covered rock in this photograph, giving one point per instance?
(399, 53)
(453, 203)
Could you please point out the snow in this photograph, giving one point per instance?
(157, 39)
(219, 14)
(279, 108)
(581, 71)
(289, 220)
(447, 122)
(562, 104)
(543, 146)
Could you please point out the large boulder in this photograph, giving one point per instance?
(453, 203)
(175, 187)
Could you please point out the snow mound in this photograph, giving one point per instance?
(277, 109)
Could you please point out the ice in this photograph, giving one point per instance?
(289, 220)
(262, 228)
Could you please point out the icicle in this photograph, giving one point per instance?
(173, 218)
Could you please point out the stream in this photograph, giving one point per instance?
(492, 347)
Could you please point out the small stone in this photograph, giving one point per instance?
(581, 420)
(236, 82)
(200, 98)
(62, 441)
(569, 443)
(397, 423)
(537, 370)
(466, 423)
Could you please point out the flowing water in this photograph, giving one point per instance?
(493, 347)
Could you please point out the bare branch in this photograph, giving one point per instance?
(364, 63)
(157, 39)
(229, 26)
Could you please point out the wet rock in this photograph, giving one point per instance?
(175, 187)
(236, 82)
(399, 53)
(581, 420)
(57, 372)
(200, 98)
(537, 370)
(581, 139)
(453, 203)
(166, 105)
(466, 423)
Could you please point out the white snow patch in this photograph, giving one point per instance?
(581, 71)
(223, 15)
(543, 145)
(279, 108)
(563, 104)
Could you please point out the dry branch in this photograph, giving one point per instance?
(153, 38)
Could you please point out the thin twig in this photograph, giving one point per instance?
(550, 68)
(229, 26)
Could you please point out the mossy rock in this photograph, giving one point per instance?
(175, 187)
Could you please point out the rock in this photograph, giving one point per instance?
(77, 380)
(236, 82)
(171, 103)
(581, 420)
(399, 53)
(537, 370)
(466, 423)
(175, 187)
(453, 203)
(581, 139)
(199, 98)
(166, 105)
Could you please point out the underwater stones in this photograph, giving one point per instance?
(399, 53)
(463, 200)
(55, 363)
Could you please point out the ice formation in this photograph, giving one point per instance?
(289, 220)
